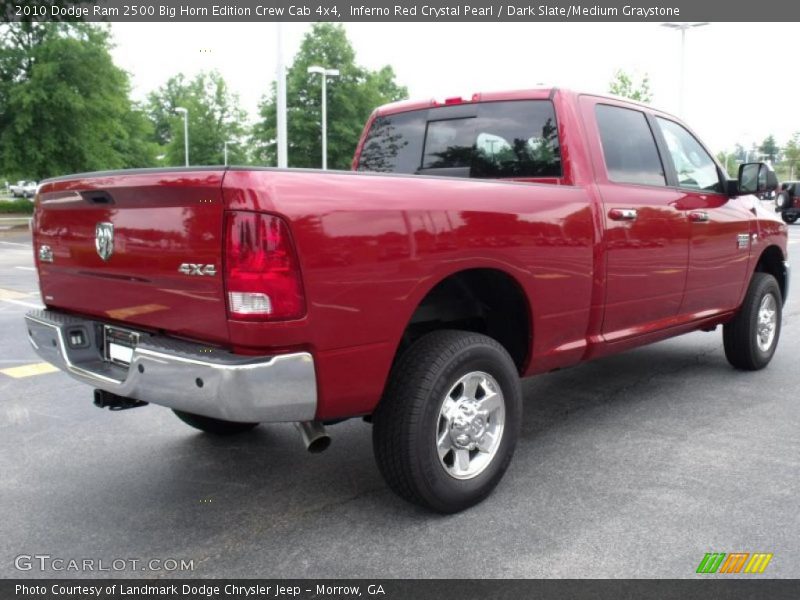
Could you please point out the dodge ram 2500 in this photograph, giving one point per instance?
(477, 241)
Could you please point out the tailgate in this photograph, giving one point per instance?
(141, 248)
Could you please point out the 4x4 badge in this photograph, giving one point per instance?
(197, 269)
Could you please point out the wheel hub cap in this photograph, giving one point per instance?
(767, 322)
(470, 426)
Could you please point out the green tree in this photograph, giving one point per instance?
(769, 149)
(730, 161)
(64, 105)
(351, 98)
(624, 85)
(791, 156)
(214, 118)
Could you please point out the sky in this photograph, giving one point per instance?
(740, 86)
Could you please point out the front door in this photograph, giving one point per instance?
(720, 237)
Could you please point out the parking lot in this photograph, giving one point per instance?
(631, 466)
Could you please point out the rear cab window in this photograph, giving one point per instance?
(489, 140)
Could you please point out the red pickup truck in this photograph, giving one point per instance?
(477, 241)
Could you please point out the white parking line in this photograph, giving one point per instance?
(26, 268)
(14, 361)
(22, 303)
(16, 244)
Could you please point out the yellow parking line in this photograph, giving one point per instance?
(29, 370)
(12, 294)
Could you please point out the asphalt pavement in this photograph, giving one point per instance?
(631, 466)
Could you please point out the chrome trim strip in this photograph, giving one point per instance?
(277, 388)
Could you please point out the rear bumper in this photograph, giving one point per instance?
(181, 375)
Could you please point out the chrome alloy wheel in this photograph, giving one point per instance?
(767, 322)
(470, 425)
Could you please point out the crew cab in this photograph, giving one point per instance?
(475, 242)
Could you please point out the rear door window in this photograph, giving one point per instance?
(515, 139)
(629, 148)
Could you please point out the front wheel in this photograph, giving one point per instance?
(212, 425)
(751, 337)
(445, 430)
(789, 218)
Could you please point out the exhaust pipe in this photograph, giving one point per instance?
(314, 435)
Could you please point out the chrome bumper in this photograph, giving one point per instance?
(181, 375)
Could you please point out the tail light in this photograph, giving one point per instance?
(262, 275)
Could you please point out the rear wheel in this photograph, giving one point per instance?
(445, 430)
(751, 337)
(789, 217)
(211, 425)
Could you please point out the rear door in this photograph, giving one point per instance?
(646, 235)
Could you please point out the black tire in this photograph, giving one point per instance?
(213, 426)
(408, 420)
(789, 218)
(740, 336)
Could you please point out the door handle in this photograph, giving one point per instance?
(698, 216)
(622, 214)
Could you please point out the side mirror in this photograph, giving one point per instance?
(756, 178)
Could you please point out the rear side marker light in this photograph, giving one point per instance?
(262, 273)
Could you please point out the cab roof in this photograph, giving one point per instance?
(541, 93)
(407, 105)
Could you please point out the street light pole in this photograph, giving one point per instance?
(682, 27)
(185, 113)
(280, 77)
(325, 74)
(225, 149)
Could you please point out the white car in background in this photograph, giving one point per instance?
(24, 189)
